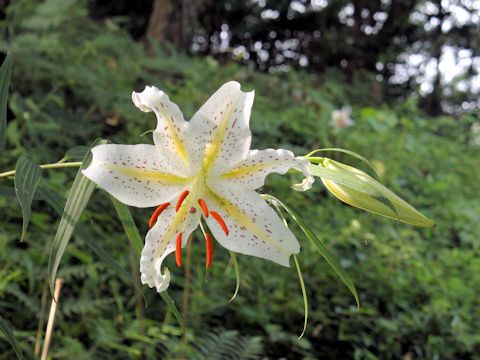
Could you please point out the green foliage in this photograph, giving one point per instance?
(72, 83)
(27, 176)
(6, 330)
(77, 200)
(5, 72)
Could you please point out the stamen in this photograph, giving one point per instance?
(209, 250)
(203, 206)
(180, 199)
(156, 214)
(192, 210)
(178, 250)
(220, 221)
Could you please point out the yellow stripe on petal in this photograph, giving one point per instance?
(244, 171)
(172, 231)
(213, 148)
(179, 147)
(229, 210)
(146, 174)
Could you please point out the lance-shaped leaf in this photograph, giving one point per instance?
(360, 190)
(129, 226)
(10, 337)
(318, 244)
(77, 200)
(27, 175)
(56, 202)
(5, 72)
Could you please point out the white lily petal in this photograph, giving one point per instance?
(252, 171)
(169, 135)
(160, 242)
(134, 174)
(254, 227)
(220, 131)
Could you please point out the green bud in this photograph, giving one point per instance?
(360, 190)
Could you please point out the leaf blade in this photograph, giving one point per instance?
(320, 246)
(6, 329)
(129, 226)
(80, 230)
(77, 200)
(5, 73)
(27, 176)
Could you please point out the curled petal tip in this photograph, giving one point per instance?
(309, 179)
(146, 99)
(162, 281)
(305, 185)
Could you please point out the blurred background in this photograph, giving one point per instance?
(409, 71)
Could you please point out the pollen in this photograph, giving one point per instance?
(156, 213)
(181, 199)
(203, 206)
(220, 221)
(178, 250)
(192, 210)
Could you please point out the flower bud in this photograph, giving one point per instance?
(360, 190)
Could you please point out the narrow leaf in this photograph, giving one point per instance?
(129, 226)
(5, 72)
(27, 175)
(304, 295)
(133, 235)
(56, 202)
(319, 245)
(233, 258)
(10, 337)
(77, 200)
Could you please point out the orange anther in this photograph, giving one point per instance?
(178, 250)
(220, 221)
(180, 199)
(156, 214)
(203, 206)
(209, 250)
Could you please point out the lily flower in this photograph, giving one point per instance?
(341, 118)
(199, 171)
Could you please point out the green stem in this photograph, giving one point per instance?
(46, 166)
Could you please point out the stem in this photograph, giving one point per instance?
(46, 166)
(138, 294)
(51, 319)
(41, 321)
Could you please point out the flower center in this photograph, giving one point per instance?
(188, 198)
